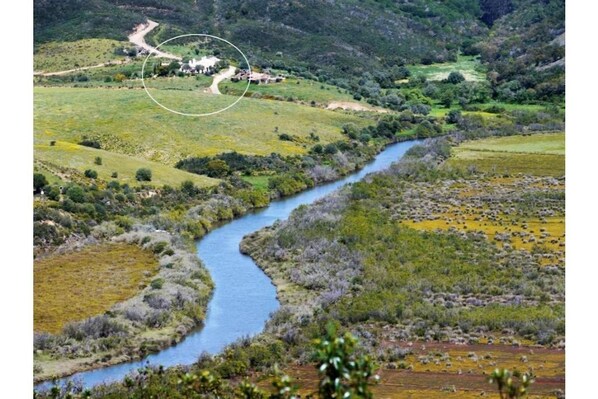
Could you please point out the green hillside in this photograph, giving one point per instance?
(335, 37)
(128, 122)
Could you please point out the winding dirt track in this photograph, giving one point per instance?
(220, 77)
(138, 38)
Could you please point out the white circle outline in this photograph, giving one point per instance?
(154, 49)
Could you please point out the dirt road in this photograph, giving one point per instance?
(138, 38)
(104, 64)
(219, 78)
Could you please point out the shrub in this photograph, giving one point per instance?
(330, 149)
(94, 327)
(53, 193)
(75, 194)
(39, 182)
(114, 175)
(511, 385)
(98, 160)
(317, 149)
(453, 116)
(90, 173)
(156, 301)
(90, 143)
(351, 130)
(289, 184)
(157, 283)
(188, 188)
(159, 247)
(217, 168)
(285, 137)
(365, 138)
(143, 174)
(342, 373)
(455, 77)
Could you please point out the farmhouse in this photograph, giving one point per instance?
(203, 65)
(257, 77)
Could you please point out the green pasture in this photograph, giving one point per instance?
(72, 156)
(538, 154)
(60, 56)
(469, 66)
(128, 122)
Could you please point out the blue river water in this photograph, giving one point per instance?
(244, 297)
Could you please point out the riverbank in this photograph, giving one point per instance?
(169, 304)
(170, 336)
(392, 258)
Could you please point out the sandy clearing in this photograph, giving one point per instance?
(347, 105)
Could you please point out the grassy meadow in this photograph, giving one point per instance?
(62, 156)
(538, 154)
(70, 287)
(468, 66)
(294, 88)
(128, 122)
(60, 56)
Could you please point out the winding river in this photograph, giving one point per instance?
(244, 296)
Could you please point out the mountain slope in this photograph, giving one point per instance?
(525, 51)
(333, 36)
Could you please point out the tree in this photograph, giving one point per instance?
(119, 77)
(143, 174)
(217, 168)
(330, 149)
(75, 194)
(53, 193)
(188, 187)
(453, 116)
(317, 149)
(455, 77)
(447, 98)
(39, 181)
(90, 173)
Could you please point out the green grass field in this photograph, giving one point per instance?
(468, 66)
(259, 182)
(299, 89)
(68, 155)
(536, 144)
(59, 56)
(128, 122)
(538, 154)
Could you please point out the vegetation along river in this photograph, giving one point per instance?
(244, 296)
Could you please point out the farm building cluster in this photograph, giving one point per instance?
(205, 65)
(257, 77)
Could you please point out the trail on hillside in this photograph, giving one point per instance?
(138, 38)
(103, 64)
(219, 78)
